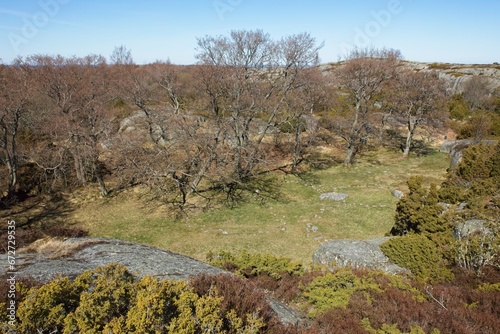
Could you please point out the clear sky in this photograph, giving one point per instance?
(455, 31)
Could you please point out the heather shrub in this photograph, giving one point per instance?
(240, 298)
(27, 235)
(24, 237)
(336, 321)
(65, 232)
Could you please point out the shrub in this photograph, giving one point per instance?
(458, 108)
(65, 232)
(153, 305)
(439, 66)
(27, 235)
(477, 250)
(108, 296)
(475, 180)
(111, 300)
(420, 255)
(45, 308)
(24, 237)
(240, 298)
(336, 321)
(334, 290)
(251, 265)
(476, 162)
(419, 211)
(291, 125)
(489, 287)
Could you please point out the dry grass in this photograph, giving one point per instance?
(55, 248)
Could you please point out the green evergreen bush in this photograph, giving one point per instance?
(419, 254)
(419, 211)
(45, 308)
(476, 180)
(111, 300)
(458, 108)
(248, 265)
(334, 290)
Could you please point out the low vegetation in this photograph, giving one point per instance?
(280, 226)
(225, 162)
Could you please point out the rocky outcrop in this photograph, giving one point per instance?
(75, 255)
(356, 254)
(456, 75)
(454, 148)
(45, 260)
(470, 227)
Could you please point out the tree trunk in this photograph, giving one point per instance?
(351, 144)
(412, 125)
(406, 150)
(351, 154)
(79, 169)
(297, 147)
(102, 185)
(8, 144)
(12, 167)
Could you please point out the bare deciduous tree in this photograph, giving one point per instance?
(77, 91)
(121, 56)
(248, 78)
(14, 103)
(362, 76)
(417, 99)
(476, 91)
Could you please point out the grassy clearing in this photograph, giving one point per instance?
(283, 227)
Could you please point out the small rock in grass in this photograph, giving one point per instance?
(333, 196)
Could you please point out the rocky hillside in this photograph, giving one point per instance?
(456, 75)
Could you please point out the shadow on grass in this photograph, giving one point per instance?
(418, 147)
(309, 177)
(36, 217)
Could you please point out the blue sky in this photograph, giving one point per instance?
(442, 31)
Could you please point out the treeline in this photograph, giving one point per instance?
(253, 104)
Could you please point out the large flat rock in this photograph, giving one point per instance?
(355, 253)
(76, 255)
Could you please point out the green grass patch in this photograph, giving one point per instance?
(292, 226)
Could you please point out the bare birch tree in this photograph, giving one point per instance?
(248, 78)
(14, 103)
(362, 75)
(417, 100)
